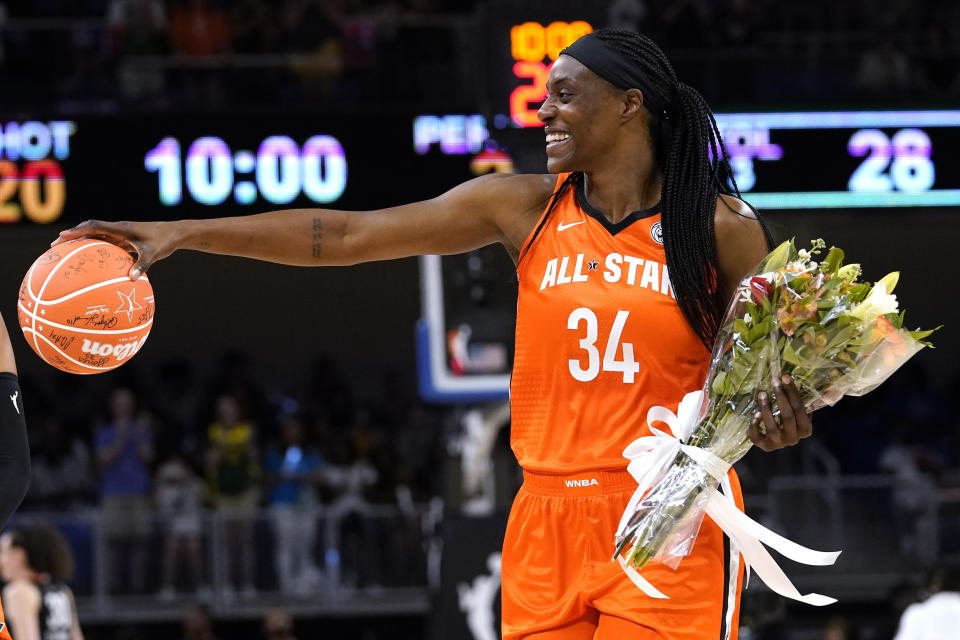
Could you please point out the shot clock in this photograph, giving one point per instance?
(521, 40)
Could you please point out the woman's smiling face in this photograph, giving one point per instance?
(581, 116)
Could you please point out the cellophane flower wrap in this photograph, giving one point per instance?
(814, 321)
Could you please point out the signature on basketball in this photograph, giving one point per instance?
(99, 321)
(62, 340)
(92, 360)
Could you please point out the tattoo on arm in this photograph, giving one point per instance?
(317, 238)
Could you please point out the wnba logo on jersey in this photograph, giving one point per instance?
(656, 232)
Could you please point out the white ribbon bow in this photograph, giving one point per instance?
(650, 459)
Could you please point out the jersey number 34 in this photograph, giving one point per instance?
(628, 366)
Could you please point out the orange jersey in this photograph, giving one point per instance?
(600, 338)
(4, 630)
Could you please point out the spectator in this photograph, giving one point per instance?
(3, 20)
(313, 30)
(687, 22)
(884, 69)
(291, 473)
(938, 64)
(838, 628)
(626, 14)
(124, 454)
(360, 561)
(197, 623)
(61, 475)
(178, 399)
(915, 497)
(938, 616)
(278, 625)
(137, 27)
(233, 473)
(198, 28)
(179, 500)
(256, 27)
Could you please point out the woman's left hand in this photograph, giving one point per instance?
(793, 424)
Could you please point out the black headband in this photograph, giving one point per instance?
(594, 54)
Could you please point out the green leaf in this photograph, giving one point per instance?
(918, 335)
(740, 327)
(718, 386)
(842, 336)
(831, 264)
(789, 355)
(859, 292)
(777, 259)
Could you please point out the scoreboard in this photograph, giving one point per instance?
(57, 171)
(835, 160)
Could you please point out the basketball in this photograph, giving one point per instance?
(80, 311)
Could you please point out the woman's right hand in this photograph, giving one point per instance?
(147, 241)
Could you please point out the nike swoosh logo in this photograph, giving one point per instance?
(561, 226)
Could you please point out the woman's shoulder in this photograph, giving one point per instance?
(732, 208)
(740, 238)
(21, 593)
(736, 221)
(520, 189)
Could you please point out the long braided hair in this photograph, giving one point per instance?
(695, 166)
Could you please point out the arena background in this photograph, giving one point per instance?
(101, 100)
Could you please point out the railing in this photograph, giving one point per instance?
(378, 560)
(361, 559)
(889, 528)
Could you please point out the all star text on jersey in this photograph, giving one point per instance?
(631, 270)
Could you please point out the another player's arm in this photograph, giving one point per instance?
(22, 601)
(741, 246)
(14, 450)
(482, 211)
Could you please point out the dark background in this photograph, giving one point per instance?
(341, 340)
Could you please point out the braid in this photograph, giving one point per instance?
(693, 160)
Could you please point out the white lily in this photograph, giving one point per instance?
(877, 303)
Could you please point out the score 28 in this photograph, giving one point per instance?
(530, 44)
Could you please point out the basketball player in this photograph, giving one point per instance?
(14, 452)
(626, 260)
(36, 562)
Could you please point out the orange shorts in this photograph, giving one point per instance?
(559, 582)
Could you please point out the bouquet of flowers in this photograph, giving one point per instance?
(813, 321)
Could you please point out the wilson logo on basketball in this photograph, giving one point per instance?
(118, 351)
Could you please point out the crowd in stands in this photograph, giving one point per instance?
(167, 54)
(156, 453)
